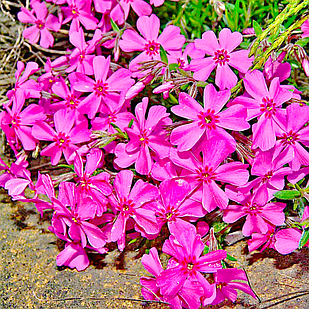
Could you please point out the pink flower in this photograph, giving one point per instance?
(202, 173)
(186, 247)
(207, 121)
(64, 138)
(226, 286)
(17, 123)
(287, 240)
(294, 134)
(144, 135)
(257, 211)
(97, 186)
(170, 39)
(77, 12)
(43, 23)
(275, 68)
(104, 90)
(28, 87)
(222, 57)
(130, 204)
(305, 29)
(121, 11)
(264, 103)
(266, 239)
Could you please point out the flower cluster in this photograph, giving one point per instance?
(139, 164)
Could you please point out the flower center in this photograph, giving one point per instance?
(152, 48)
(220, 285)
(268, 107)
(169, 215)
(190, 266)
(39, 24)
(267, 176)
(221, 57)
(62, 141)
(100, 88)
(74, 220)
(206, 174)
(15, 122)
(74, 11)
(143, 137)
(208, 119)
(72, 102)
(289, 138)
(126, 205)
(181, 62)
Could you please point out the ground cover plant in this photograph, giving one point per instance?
(179, 121)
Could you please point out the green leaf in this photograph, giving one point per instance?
(257, 28)
(287, 194)
(67, 166)
(302, 42)
(130, 123)
(230, 258)
(304, 238)
(163, 54)
(132, 241)
(114, 26)
(206, 250)
(173, 66)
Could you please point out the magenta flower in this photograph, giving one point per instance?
(226, 286)
(257, 211)
(207, 121)
(305, 29)
(222, 57)
(186, 247)
(263, 240)
(189, 295)
(174, 207)
(43, 22)
(121, 11)
(265, 104)
(130, 204)
(97, 187)
(144, 135)
(202, 173)
(104, 90)
(78, 13)
(170, 39)
(275, 68)
(295, 133)
(29, 88)
(71, 216)
(64, 138)
(17, 123)
(287, 240)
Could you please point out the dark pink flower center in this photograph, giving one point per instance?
(253, 209)
(289, 138)
(74, 11)
(267, 176)
(268, 107)
(221, 57)
(181, 62)
(143, 137)
(208, 119)
(128, 1)
(85, 183)
(152, 48)
(82, 57)
(15, 122)
(220, 285)
(72, 102)
(111, 118)
(127, 206)
(40, 24)
(62, 140)
(100, 88)
(206, 174)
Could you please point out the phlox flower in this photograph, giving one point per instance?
(222, 57)
(294, 134)
(97, 187)
(305, 29)
(28, 87)
(265, 104)
(130, 204)
(187, 264)
(121, 11)
(64, 138)
(103, 89)
(71, 216)
(276, 68)
(207, 121)
(255, 207)
(150, 41)
(43, 22)
(203, 173)
(17, 122)
(174, 207)
(144, 135)
(262, 240)
(189, 295)
(78, 12)
(226, 286)
(269, 167)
